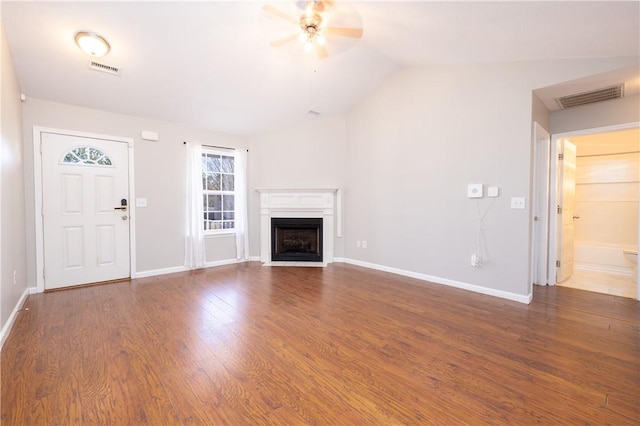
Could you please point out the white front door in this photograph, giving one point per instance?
(85, 199)
(567, 197)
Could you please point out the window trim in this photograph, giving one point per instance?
(227, 153)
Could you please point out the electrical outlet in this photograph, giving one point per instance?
(476, 260)
(364, 244)
(518, 202)
(15, 277)
(358, 245)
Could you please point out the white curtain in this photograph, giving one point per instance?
(241, 225)
(194, 242)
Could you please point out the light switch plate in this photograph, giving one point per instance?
(474, 190)
(141, 202)
(517, 202)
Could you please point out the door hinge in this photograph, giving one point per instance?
(559, 210)
(557, 263)
(560, 156)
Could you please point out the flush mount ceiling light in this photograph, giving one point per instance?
(92, 44)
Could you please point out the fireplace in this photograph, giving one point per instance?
(323, 205)
(296, 239)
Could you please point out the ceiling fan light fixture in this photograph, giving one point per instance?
(92, 43)
(313, 29)
(308, 46)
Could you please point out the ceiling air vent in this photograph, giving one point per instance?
(598, 95)
(97, 66)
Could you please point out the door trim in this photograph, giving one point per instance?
(540, 235)
(37, 183)
(553, 196)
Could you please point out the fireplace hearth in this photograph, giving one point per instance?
(296, 239)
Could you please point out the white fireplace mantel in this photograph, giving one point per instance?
(299, 202)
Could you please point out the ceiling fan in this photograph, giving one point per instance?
(312, 26)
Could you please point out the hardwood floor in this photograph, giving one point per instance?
(246, 344)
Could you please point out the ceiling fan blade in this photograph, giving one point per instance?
(344, 32)
(321, 51)
(284, 40)
(270, 9)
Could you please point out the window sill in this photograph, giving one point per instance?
(217, 234)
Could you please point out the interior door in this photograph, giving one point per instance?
(566, 211)
(85, 201)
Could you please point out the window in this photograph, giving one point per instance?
(86, 155)
(218, 185)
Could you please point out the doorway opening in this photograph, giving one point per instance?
(593, 221)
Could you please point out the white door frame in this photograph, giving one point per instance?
(37, 183)
(540, 210)
(553, 193)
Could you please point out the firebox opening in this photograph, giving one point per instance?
(296, 239)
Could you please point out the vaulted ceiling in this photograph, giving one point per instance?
(211, 64)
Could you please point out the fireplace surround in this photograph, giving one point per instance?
(299, 204)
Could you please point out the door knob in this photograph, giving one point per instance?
(123, 205)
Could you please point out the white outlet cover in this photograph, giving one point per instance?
(518, 202)
(474, 190)
(141, 202)
(493, 191)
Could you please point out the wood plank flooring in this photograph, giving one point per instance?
(246, 344)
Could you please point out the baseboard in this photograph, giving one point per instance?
(254, 259)
(223, 262)
(444, 281)
(7, 327)
(163, 271)
(174, 269)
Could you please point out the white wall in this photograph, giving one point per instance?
(312, 154)
(539, 112)
(12, 230)
(607, 188)
(415, 144)
(159, 177)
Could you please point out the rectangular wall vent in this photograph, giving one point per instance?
(598, 95)
(97, 66)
